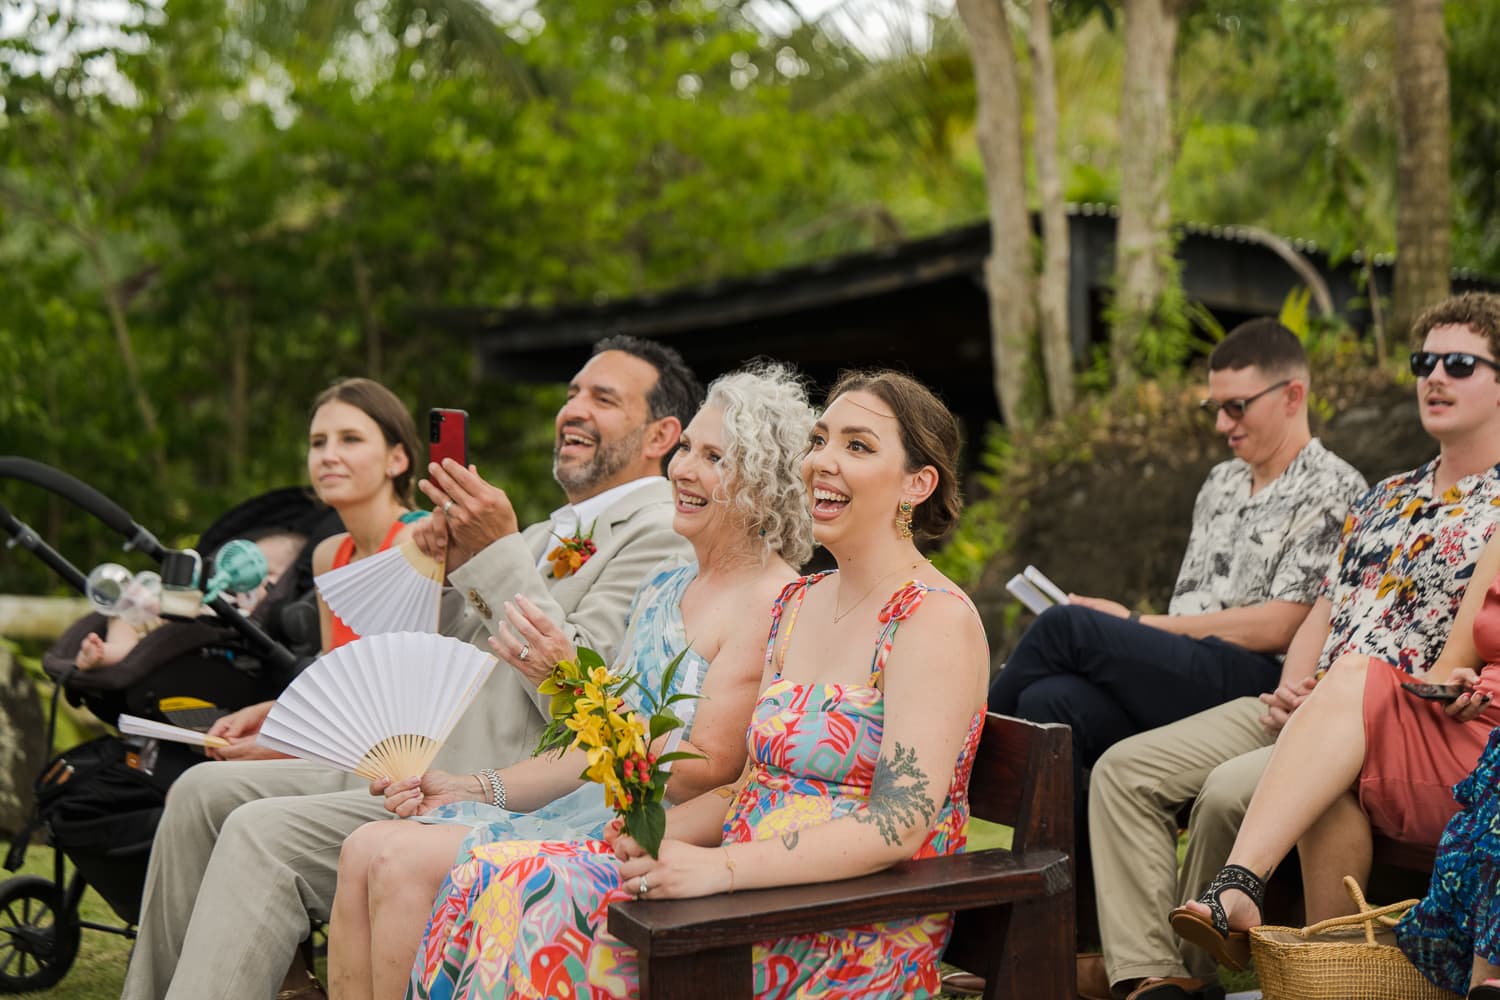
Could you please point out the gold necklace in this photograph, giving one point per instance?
(839, 616)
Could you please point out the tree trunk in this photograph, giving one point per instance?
(239, 388)
(1377, 317)
(44, 618)
(1143, 241)
(1052, 288)
(1424, 201)
(1007, 271)
(369, 323)
(115, 307)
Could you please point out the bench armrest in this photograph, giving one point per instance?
(908, 889)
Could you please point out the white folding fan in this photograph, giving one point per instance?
(380, 706)
(134, 725)
(392, 591)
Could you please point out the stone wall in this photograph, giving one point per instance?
(22, 742)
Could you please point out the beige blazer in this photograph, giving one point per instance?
(592, 606)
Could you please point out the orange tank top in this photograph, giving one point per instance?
(339, 632)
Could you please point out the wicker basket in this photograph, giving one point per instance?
(1340, 959)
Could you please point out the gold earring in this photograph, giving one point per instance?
(903, 519)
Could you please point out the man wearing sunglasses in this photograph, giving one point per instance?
(1391, 591)
(1264, 525)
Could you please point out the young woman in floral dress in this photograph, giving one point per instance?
(860, 749)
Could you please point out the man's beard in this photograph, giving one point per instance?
(609, 458)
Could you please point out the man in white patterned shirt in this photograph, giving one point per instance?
(1391, 591)
(1265, 524)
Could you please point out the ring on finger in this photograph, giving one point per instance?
(525, 652)
(447, 505)
(643, 888)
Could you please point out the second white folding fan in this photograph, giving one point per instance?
(392, 591)
(380, 706)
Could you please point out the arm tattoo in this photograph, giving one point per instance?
(725, 791)
(898, 795)
(789, 840)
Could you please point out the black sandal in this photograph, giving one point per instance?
(1230, 949)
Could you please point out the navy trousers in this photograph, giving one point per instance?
(1110, 678)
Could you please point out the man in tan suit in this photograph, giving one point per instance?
(246, 856)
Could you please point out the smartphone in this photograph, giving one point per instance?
(1435, 692)
(448, 436)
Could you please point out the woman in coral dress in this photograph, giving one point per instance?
(860, 750)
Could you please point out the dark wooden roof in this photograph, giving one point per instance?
(918, 304)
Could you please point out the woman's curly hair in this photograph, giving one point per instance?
(767, 420)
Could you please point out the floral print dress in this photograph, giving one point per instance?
(527, 919)
(1460, 915)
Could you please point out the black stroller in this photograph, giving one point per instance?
(98, 804)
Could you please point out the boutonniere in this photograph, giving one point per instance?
(571, 552)
(587, 712)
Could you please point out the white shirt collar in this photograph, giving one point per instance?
(577, 518)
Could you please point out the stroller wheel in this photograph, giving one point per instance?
(38, 936)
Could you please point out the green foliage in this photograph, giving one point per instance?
(1474, 82)
(981, 532)
(212, 212)
(1167, 339)
(1288, 122)
(1293, 313)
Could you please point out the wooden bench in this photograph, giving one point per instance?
(1410, 857)
(1015, 908)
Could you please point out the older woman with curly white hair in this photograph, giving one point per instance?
(740, 502)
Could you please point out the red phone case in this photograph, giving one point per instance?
(448, 436)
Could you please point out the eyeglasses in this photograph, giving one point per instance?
(1456, 363)
(1236, 408)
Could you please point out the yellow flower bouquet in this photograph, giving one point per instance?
(588, 712)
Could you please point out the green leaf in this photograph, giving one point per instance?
(679, 755)
(647, 823)
(663, 721)
(669, 675)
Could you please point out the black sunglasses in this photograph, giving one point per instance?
(1236, 407)
(1456, 363)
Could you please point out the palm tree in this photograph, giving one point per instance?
(1424, 205)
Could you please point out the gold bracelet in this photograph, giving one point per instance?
(730, 865)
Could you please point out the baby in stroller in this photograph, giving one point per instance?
(98, 803)
(191, 672)
(279, 548)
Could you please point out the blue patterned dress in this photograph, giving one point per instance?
(1460, 915)
(653, 639)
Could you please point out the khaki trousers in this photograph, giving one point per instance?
(246, 857)
(1214, 760)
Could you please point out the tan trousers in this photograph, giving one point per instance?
(245, 857)
(1212, 759)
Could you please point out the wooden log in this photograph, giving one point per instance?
(46, 618)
